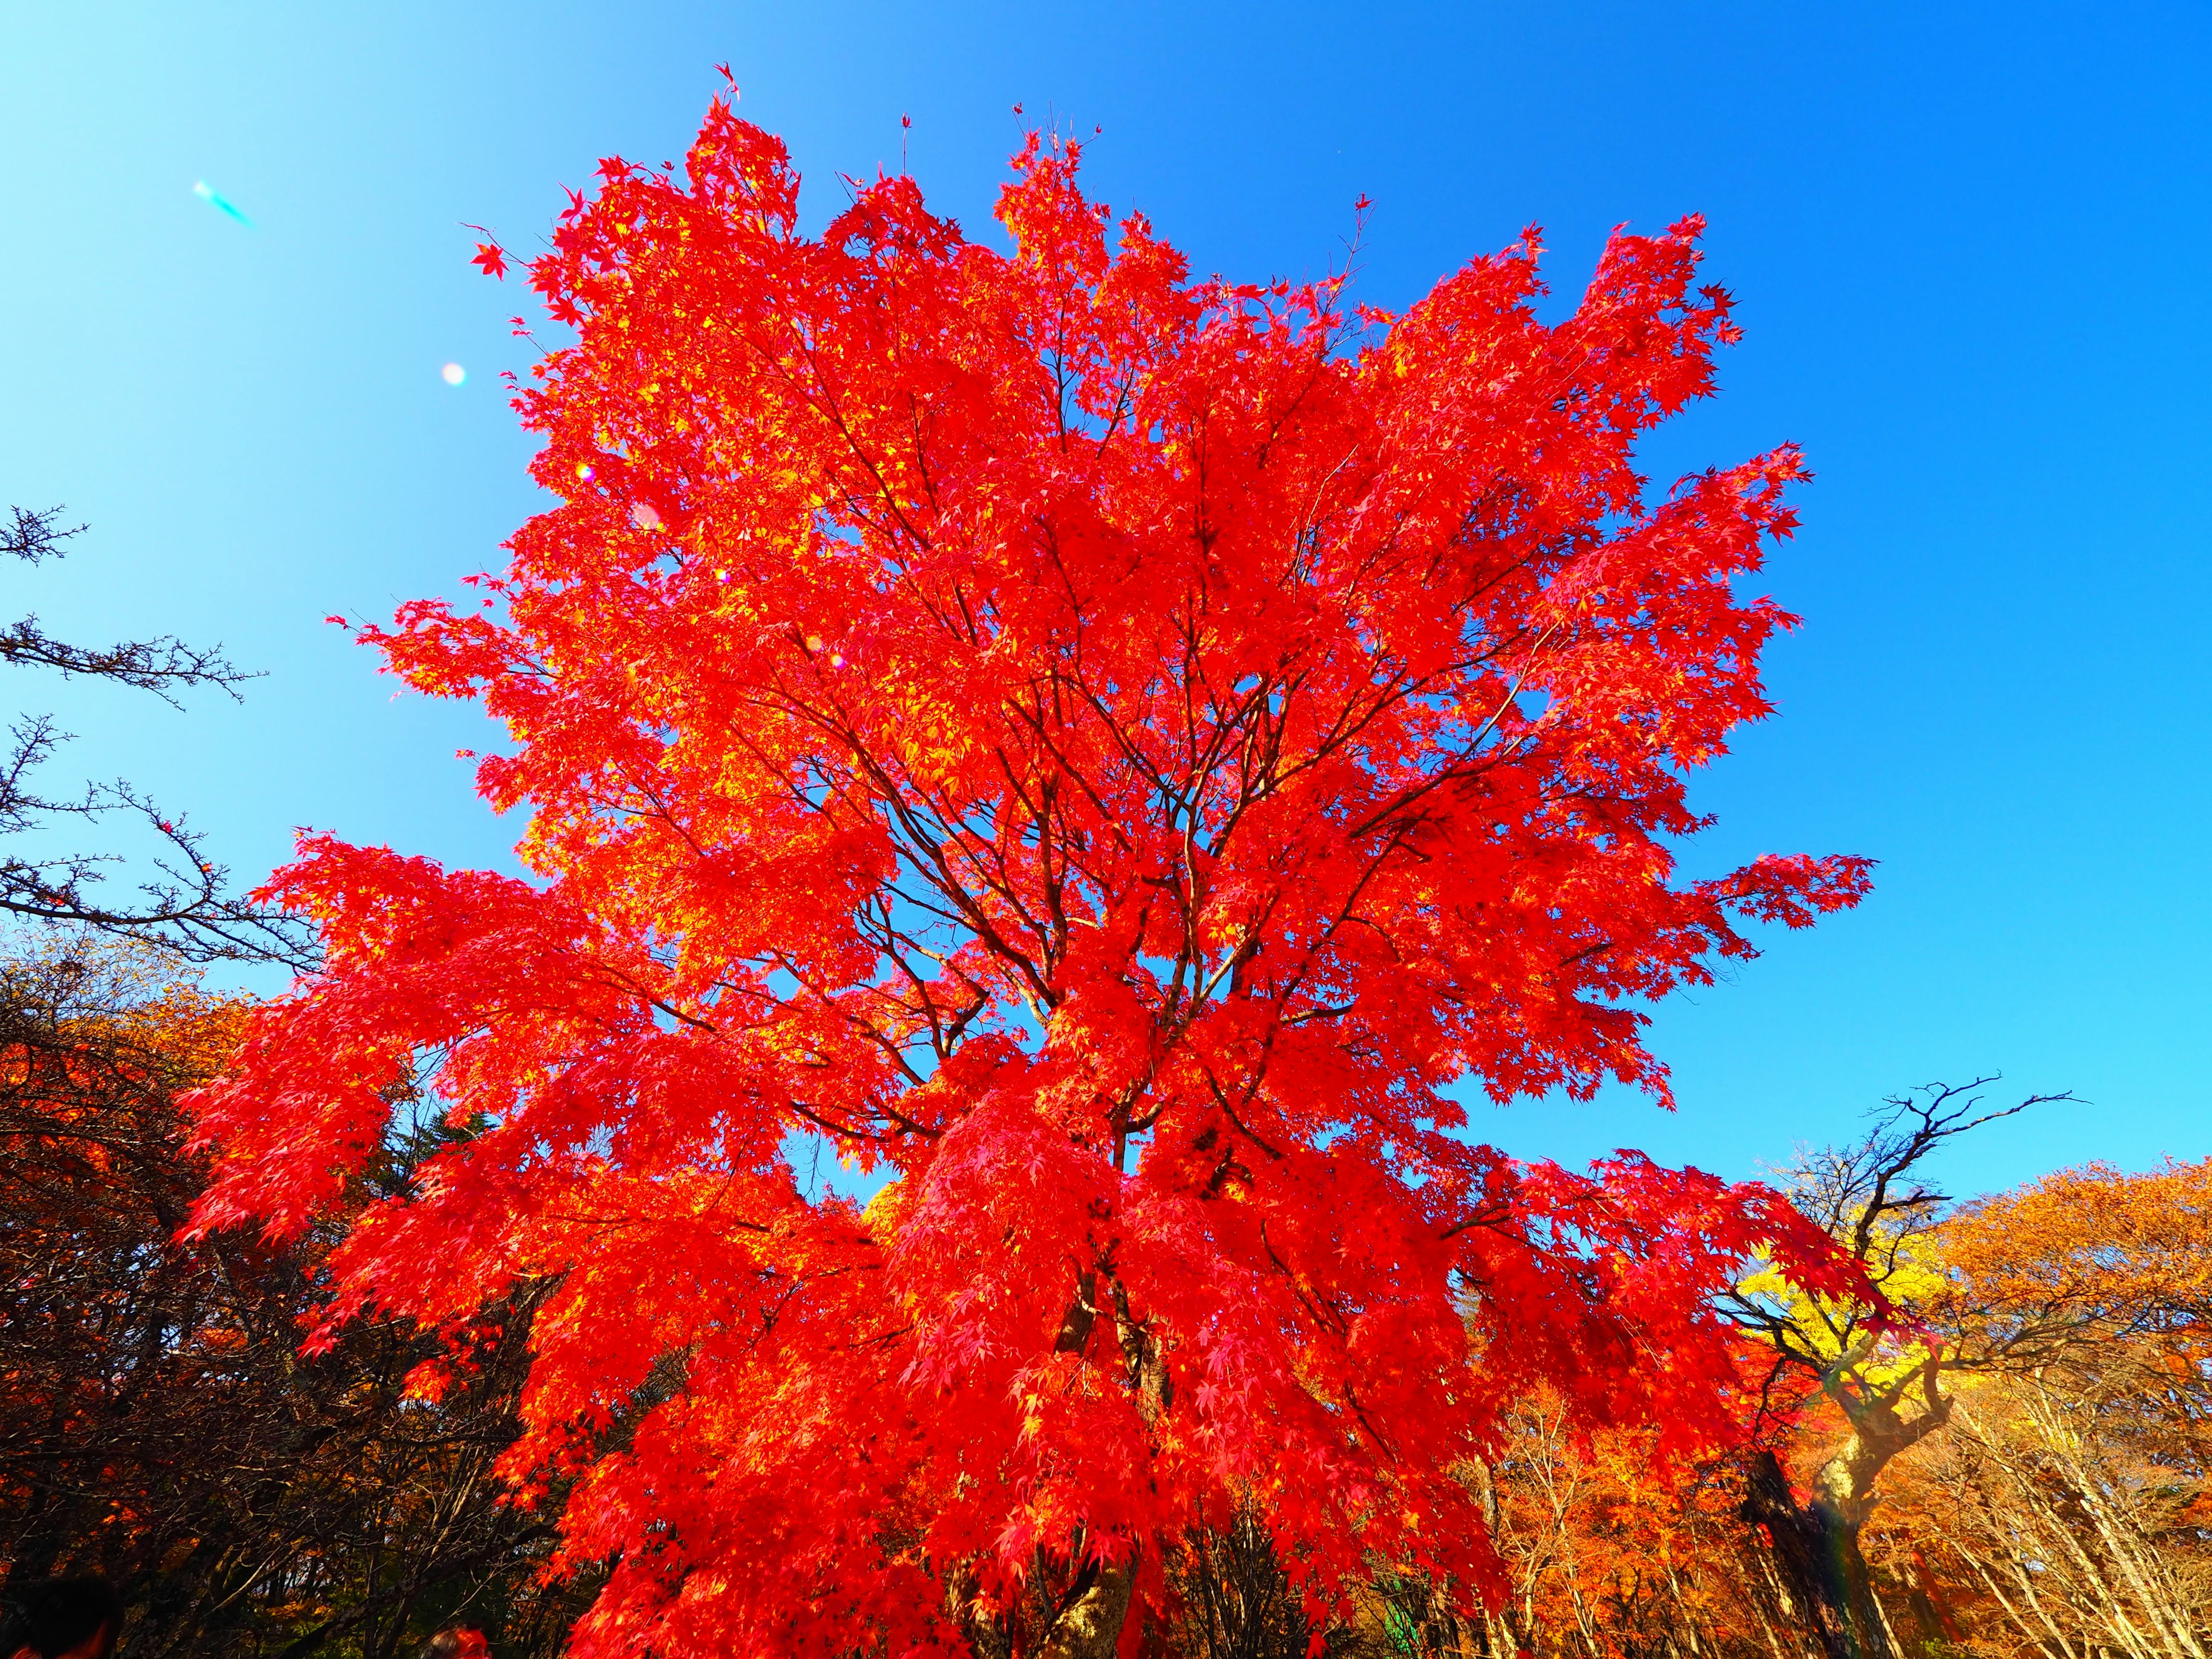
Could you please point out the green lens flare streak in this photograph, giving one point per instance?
(219, 202)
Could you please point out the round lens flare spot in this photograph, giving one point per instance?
(452, 375)
(644, 517)
(584, 471)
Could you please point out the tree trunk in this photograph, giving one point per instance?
(1090, 1627)
(1816, 1554)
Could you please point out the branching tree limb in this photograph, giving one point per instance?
(185, 905)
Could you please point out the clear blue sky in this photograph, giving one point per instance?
(1972, 247)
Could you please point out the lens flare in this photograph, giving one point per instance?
(453, 373)
(221, 203)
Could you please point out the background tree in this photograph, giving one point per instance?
(185, 907)
(2067, 1508)
(1234, 1598)
(2063, 1511)
(1108, 753)
(1881, 1365)
(157, 1422)
(1614, 1554)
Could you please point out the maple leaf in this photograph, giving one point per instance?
(492, 259)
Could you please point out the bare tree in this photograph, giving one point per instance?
(186, 906)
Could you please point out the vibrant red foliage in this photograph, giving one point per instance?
(1108, 751)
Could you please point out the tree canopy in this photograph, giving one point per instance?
(1111, 753)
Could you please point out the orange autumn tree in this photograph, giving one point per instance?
(1107, 752)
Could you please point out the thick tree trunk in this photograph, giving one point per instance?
(1817, 1557)
(1090, 1627)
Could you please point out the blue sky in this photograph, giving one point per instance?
(1970, 246)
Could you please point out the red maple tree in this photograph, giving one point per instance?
(1109, 752)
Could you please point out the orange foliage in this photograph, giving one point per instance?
(2089, 1249)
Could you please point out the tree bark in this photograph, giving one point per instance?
(1816, 1554)
(1090, 1627)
